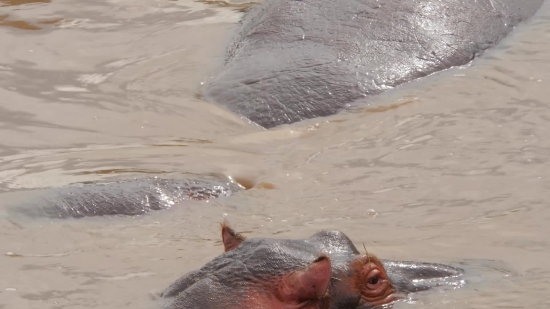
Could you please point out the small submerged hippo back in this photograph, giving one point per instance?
(129, 197)
(325, 271)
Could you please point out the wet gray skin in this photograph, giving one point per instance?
(130, 198)
(298, 59)
(253, 272)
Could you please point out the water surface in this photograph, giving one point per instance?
(453, 168)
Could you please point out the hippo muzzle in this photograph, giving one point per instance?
(410, 277)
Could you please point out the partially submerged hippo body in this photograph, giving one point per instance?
(130, 197)
(299, 59)
(321, 272)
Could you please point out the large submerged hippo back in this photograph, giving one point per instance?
(299, 59)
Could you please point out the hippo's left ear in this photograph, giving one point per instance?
(230, 238)
(307, 288)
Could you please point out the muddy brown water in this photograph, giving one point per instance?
(454, 168)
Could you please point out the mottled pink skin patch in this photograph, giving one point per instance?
(307, 288)
(310, 283)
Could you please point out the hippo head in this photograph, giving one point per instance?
(325, 271)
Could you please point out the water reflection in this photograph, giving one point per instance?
(6, 21)
(21, 2)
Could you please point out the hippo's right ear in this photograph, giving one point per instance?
(230, 238)
(308, 288)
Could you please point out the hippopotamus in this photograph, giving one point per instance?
(125, 197)
(324, 271)
(298, 59)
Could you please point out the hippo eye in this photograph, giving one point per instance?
(375, 286)
(373, 280)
